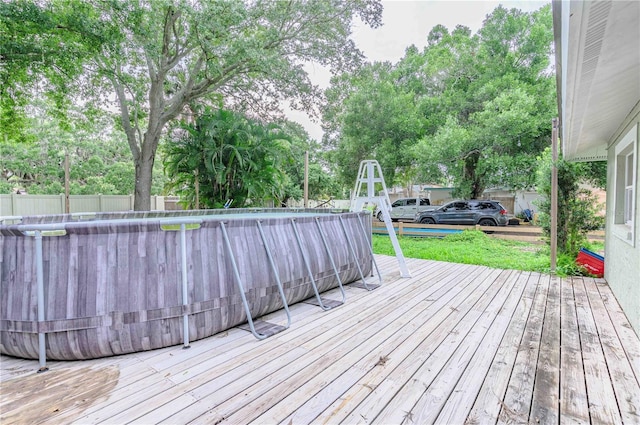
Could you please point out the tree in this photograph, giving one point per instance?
(167, 55)
(498, 100)
(228, 157)
(469, 110)
(321, 183)
(376, 120)
(100, 162)
(43, 46)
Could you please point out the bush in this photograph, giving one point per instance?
(577, 208)
(567, 266)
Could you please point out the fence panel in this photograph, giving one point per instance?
(19, 205)
(523, 233)
(15, 204)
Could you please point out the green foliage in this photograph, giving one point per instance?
(99, 161)
(474, 236)
(566, 266)
(43, 48)
(321, 183)
(475, 247)
(578, 208)
(377, 120)
(159, 58)
(230, 156)
(472, 111)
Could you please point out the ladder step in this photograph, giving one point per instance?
(264, 328)
(369, 287)
(327, 302)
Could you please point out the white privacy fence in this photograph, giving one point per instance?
(23, 205)
(18, 205)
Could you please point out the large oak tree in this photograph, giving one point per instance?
(469, 110)
(156, 58)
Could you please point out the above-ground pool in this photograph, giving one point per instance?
(116, 283)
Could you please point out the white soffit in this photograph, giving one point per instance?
(602, 74)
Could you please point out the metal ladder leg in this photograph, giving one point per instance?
(353, 254)
(321, 303)
(373, 258)
(236, 273)
(275, 273)
(333, 264)
(42, 346)
(185, 285)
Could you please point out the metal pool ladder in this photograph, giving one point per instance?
(367, 177)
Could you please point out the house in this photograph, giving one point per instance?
(598, 76)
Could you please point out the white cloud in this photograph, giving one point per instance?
(406, 23)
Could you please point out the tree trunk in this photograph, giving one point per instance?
(144, 170)
(144, 175)
(475, 181)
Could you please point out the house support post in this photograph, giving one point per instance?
(554, 195)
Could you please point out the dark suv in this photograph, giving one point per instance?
(484, 213)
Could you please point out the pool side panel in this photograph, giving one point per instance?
(115, 289)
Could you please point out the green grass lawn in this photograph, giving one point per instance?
(474, 247)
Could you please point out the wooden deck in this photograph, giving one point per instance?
(455, 344)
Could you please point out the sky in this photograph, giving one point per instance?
(406, 23)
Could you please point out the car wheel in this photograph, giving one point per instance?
(380, 217)
(487, 222)
(427, 220)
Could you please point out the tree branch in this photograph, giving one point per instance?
(125, 117)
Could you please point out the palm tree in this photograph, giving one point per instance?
(230, 157)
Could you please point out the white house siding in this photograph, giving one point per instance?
(622, 258)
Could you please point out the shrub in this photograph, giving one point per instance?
(577, 208)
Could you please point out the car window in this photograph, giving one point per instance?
(398, 203)
(456, 206)
(411, 202)
(488, 206)
(475, 205)
(425, 202)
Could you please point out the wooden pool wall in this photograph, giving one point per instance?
(114, 287)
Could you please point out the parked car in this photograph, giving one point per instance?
(407, 208)
(484, 213)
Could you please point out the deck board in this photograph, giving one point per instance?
(370, 364)
(452, 344)
(516, 405)
(626, 390)
(603, 407)
(459, 402)
(574, 407)
(489, 399)
(546, 394)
